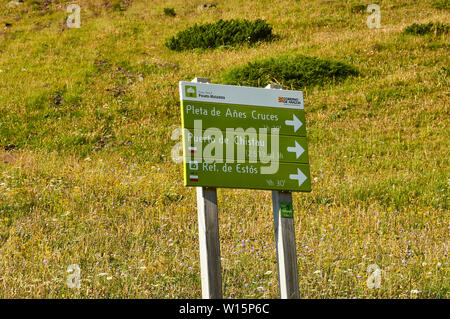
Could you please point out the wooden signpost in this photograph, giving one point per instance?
(242, 137)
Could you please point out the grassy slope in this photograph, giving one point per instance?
(90, 181)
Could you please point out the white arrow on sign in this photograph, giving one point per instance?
(299, 176)
(297, 149)
(296, 123)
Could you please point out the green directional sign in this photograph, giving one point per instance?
(257, 147)
(242, 137)
(288, 121)
(294, 177)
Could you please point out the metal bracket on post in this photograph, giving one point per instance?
(208, 231)
(285, 240)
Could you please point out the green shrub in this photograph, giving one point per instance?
(119, 5)
(221, 33)
(441, 4)
(427, 28)
(358, 8)
(294, 72)
(169, 12)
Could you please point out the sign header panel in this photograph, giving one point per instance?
(241, 95)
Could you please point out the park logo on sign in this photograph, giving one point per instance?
(191, 91)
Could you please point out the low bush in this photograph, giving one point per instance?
(427, 28)
(221, 33)
(119, 5)
(294, 72)
(441, 4)
(169, 12)
(358, 8)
